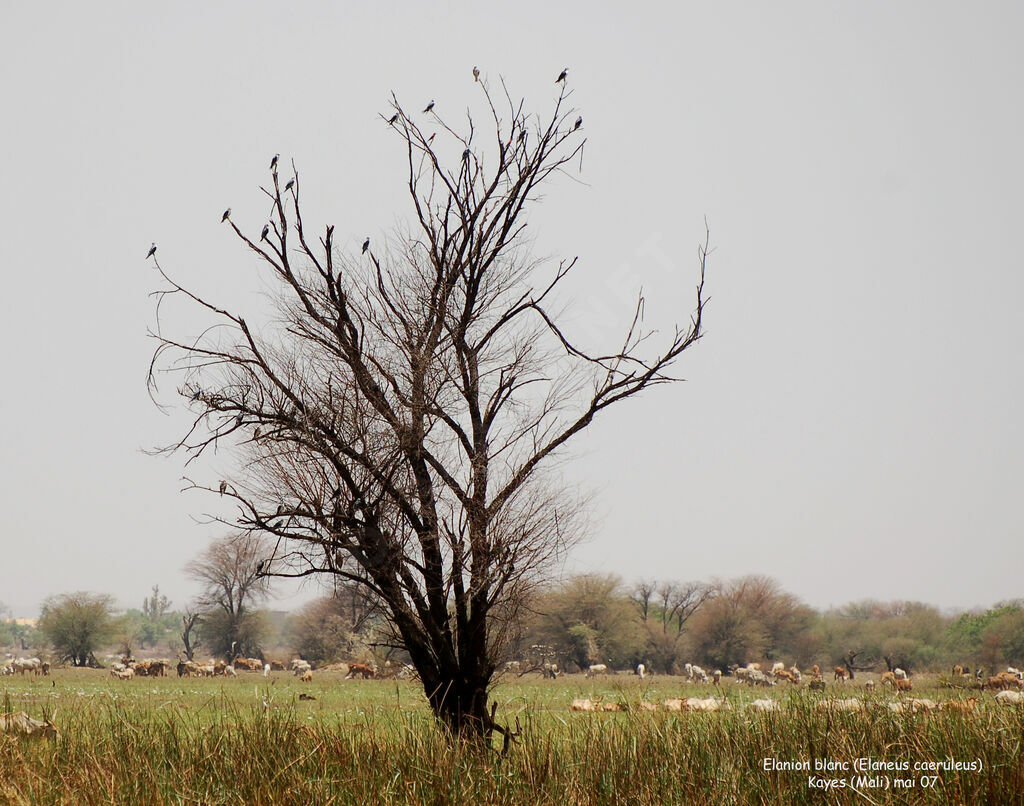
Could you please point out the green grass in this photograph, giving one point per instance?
(216, 741)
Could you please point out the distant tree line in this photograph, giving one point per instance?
(582, 620)
(591, 618)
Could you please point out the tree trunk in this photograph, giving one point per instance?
(460, 705)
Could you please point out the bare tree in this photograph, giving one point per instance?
(190, 620)
(233, 572)
(395, 418)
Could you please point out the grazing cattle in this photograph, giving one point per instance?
(22, 665)
(903, 685)
(716, 677)
(122, 674)
(300, 667)
(220, 668)
(229, 671)
(550, 670)
(207, 670)
(795, 671)
(1009, 698)
(964, 706)
(777, 667)
(1001, 681)
(276, 666)
(1016, 672)
(582, 705)
(694, 672)
(21, 724)
(610, 706)
(765, 705)
(922, 705)
(782, 674)
(182, 668)
(815, 670)
(817, 684)
(675, 704)
(647, 706)
(840, 674)
(361, 669)
(307, 676)
(888, 677)
(641, 670)
(899, 674)
(597, 668)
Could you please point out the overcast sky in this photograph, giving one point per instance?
(850, 424)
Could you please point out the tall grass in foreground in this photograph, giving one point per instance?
(227, 748)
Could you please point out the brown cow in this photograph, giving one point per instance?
(840, 674)
(903, 684)
(361, 669)
(307, 676)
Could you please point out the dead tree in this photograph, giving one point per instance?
(396, 417)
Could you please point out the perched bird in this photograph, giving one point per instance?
(239, 420)
(579, 122)
(280, 510)
(431, 138)
(226, 216)
(522, 136)
(256, 434)
(465, 155)
(266, 231)
(561, 76)
(223, 487)
(196, 394)
(394, 119)
(151, 252)
(290, 185)
(259, 567)
(273, 162)
(476, 74)
(366, 244)
(430, 106)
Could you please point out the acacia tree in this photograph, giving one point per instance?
(397, 414)
(230, 571)
(76, 624)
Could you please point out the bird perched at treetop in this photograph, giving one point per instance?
(223, 487)
(561, 76)
(430, 106)
(152, 251)
(273, 162)
(290, 185)
(476, 73)
(266, 231)
(394, 119)
(226, 216)
(366, 244)
(579, 122)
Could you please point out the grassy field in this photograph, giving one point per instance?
(216, 741)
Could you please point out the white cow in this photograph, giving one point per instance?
(597, 668)
(641, 670)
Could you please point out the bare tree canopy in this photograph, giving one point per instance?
(394, 422)
(233, 574)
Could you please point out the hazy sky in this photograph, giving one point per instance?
(850, 424)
